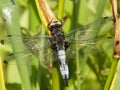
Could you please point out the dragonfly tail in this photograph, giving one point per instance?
(66, 81)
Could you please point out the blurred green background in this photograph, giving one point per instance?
(89, 66)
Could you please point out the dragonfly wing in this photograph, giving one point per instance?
(90, 30)
(90, 49)
(83, 37)
(35, 45)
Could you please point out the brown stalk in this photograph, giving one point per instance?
(116, 17)
(45, 13)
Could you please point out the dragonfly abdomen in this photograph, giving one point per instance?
(63, 66)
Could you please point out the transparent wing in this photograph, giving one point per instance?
(32, 43)
(93, 36)
(94, 46)
(85, 35)
(97, 28)
(35, 45)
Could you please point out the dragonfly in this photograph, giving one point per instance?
(60, 42)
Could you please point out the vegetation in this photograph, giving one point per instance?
(89, 66)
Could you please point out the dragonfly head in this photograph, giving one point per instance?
(54, 24)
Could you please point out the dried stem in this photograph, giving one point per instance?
(116, 28)
(113, 72)
(45, 13)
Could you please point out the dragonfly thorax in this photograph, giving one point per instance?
(57, 35)
(54, 24)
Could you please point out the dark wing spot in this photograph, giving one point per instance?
(109, 37)
(106, 17)
(11, 54)
(9, 35)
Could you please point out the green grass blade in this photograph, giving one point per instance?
(55, 79)
(74, 25)
(119, 7)
(100, 9)
(10, 14)
(111, 74)
(115, 83)
(61, 9)
(33, 16)
(2, 83)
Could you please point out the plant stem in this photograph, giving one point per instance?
(9, 13)
(2, 82)
(116, 53)
(118, 6)
(111, 74)
(61, 9)
(33, 27)
(74, 25)
(55, 79)
(100, 9)
(114, 85)
(45, 13)
(75, 14)
(33, 16)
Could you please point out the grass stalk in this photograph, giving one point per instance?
(33, 16)
(40, 69)
(33, 28)
(61, 9)
(55, 79)
(115, 82)
(118, 6)
(100, 9)
(2, 82)
(10, 15)
(74, 25)
(111, 74)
